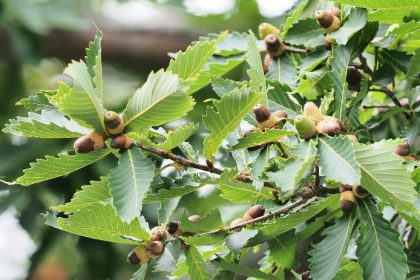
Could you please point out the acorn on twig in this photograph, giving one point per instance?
(274, 46)
(402, 149)
(155, 249)
(305, 126)
(328, 20)
(92, 141)
(267, 29)
(113, 123)
(254, 212)
(158, 233)
(312, 111)
(236, 222)
(138, 255)
(121, 142)
(330, 126)
(360, 191)
(347, 201)
(354, 79)
(264, 117)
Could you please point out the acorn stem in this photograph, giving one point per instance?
(296, 50)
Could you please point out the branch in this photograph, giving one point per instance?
(391, 95)
(365, 66)
(292, 49)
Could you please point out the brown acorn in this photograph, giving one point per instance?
(266, 64)
(360, 191)
(328, 21)
(138, 255)
(254, 212)
(353, 79)
(158, 234)
(194, 218)
(114, 123)
(121, 142)
(305, 126)
(402, 149)
(307, 192)
(347, 201)
(155, 249)
(312, 111)
(330, 126)
(264, 117)
(92, 141)
(174, 228)
(236, 222)
(267, 29)
(274, 46)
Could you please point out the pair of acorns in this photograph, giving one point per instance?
(348, 196)
(313, 121)
(273, 45)
(252, 213)
(267, 120)
(329, 20)
(94, 141)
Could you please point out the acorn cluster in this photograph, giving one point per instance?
(313, 122)
(252, 213)
(94, 141)
(348, 195)
(267, 119)
(275, 47)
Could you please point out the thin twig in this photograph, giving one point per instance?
(365, 66)
(317, 178)
(391, 95)
(282, 150)
(377, 106)
(292, 49)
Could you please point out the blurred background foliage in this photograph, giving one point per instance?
(37, 40)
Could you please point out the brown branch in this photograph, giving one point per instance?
(377, 107)
(391, 95)
(365, 66)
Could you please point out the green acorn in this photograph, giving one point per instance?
(328, 21)
(305, 126)
(266, 29)
(92, 141)
(113, 122)
(312, 111)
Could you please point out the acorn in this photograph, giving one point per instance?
(329, 41)
(92, 141)
(328, 21)
(360, 191)
(266, 64)
(347, 201)
(114, 123)
(280, 117)
(402, 149)
(353, 78)
(274, 46)
(330, 126)
(194, 218)
(264, 117)
(174, 228)
(307, 192)
(266, 29)
(254, 212)
(138, 255)
(121, 142)
(305, 126)
(155, 249)
(158, 233)
(236, 222)
(312, 111)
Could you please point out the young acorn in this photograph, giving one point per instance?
(329, 41)
(114, 123)
(360, 191)
(312, 111)
(402, 149)
(254, 212)
(194, 218)
(92, 141)
(155, 249)
(305, 126)
(138, 255)
(158, 233)
(353, 79)
(264, 117)
(174, 228)
(274, 46)
(330, 126)
(121, 142)
(328, 20)
(266, 29)
(347, 201)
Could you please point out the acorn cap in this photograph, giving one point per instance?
(347, 201)
(173, 228)
(327, 20)
(138, 255)
(194, 218)
(266, 29)
(121, 142)
(305, 126)
(353, 78)
(402, 149)
(360, 191)
(158, 234)
(273, 45)
(330, 126)
(307, 192)
(114, 123)
(261, 113)
(155, 249)
(312, 111)
(255, 211)
(92, 141)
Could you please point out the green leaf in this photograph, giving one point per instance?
(297, 10)
(255, 71)
(356, 21)
(414, 68)
(140, 274)
(38, 101)
(400, 61)
(231, 44)
(306, 32)
(242, 270)
(225, 115)
(68, 100)
(208, 222)
(205, 239)
(53, 167)
(95, 193)
(159, 100)
(259, 137)
(223, 86)
(281, 225)
(129, 182)
(350, 271)
(384, 175)
(337, 159)
(174, 137)
(283, 70)
(94, 63)
(48, 124)
(280, 95)
(169, 258)
(167, 209)
(102, 223)
(327, 255)
(167, 194)
(313, 59)
(283, 249)
(236, 241)
(295, 168)
(379, 247)
(197, 268)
